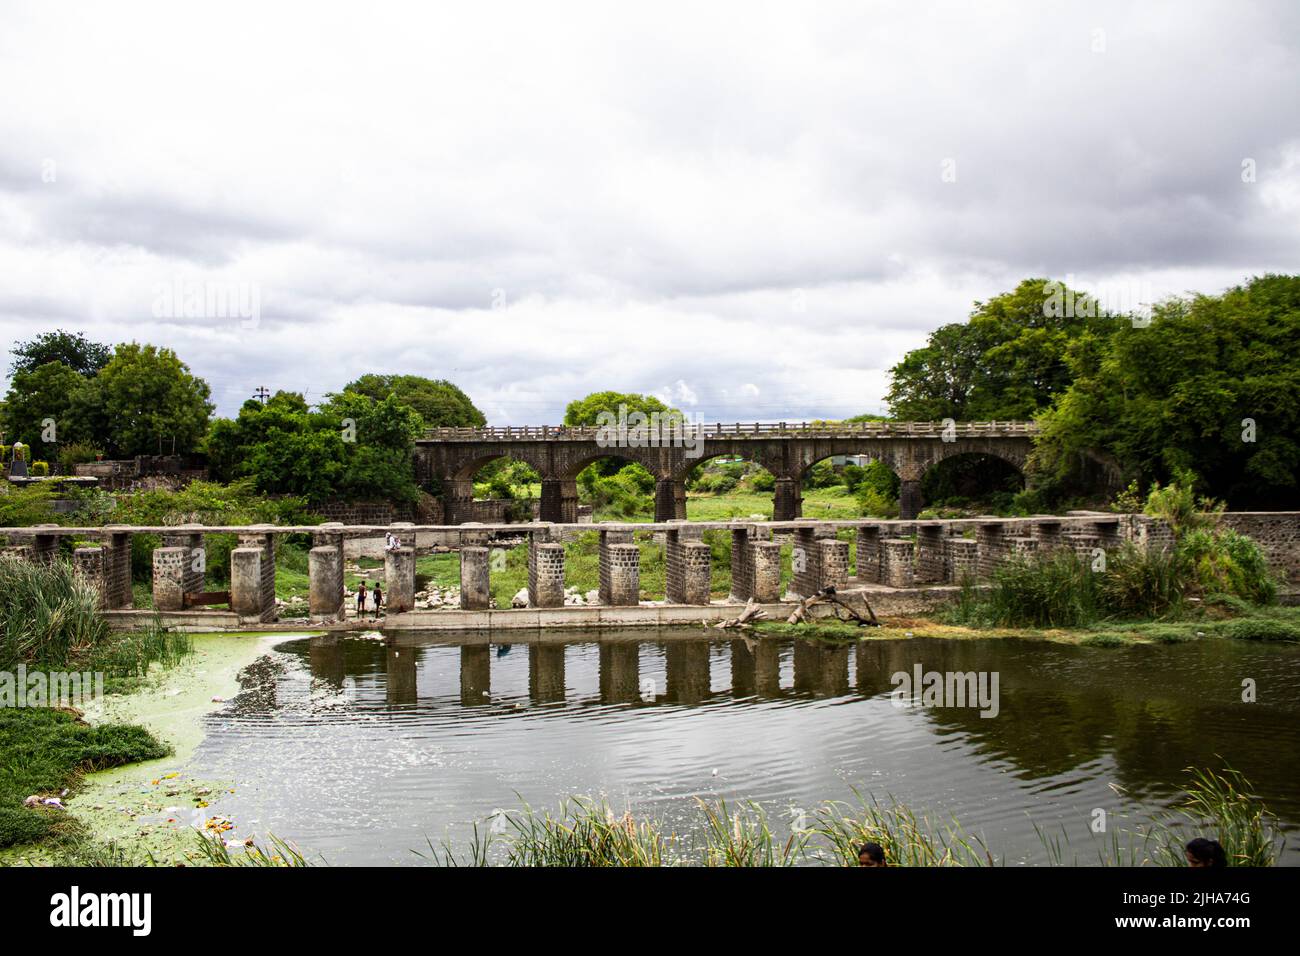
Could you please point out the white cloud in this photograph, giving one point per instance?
(537, 201)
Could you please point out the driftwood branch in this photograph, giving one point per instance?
(752, 612)
(844, 611)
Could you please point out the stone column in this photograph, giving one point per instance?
(45, 547)
(194, 561)
(475, 580)
(832, 564)
(264, 541)
(670, 500)
(896, 562)
(929, 553)
(765, 562)
(624, 575)
(609, 539)
(675, 541)
(961, 559)
(868, 547)
(399, 578)
(742, 577)
(325, 575)
(787, 499)
(559, 501)
(89, 564)
(546, 575)
(804, 555)
(117, 569)
(988, 537)
(696, 562)
(1048, 534)
(909, 499)
(405, 531)
(169, 578)
(247, 598)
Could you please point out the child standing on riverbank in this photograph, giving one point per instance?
(361, 598)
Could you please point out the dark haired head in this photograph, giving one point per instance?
(1206, 853)
(871, 854)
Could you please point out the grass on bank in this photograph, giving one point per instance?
(50, 621)
(587, 833)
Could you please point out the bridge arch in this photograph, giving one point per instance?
(761, 486)
(972, 474)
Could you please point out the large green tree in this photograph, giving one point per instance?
(353, 447)
(588, 411)
(72, 349)
(438, 402)
(1007, 361)
(40, 404)
(145, 401)
(1212, 385)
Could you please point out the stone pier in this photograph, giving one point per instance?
(868, 551)
(399, 576)
(475, 579)
(765, 570)
(624, 576)
(609, 540)
(832, 564)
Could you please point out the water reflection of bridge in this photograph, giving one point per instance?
(684, 674)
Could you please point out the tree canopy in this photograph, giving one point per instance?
(72, 349)
(1008, 361)
(353, 447)
(587, 411)
(439, 403)
(143, 401)
(1211, 386)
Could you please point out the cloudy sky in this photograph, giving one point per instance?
(751, 210)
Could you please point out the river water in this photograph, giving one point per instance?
(362, 752)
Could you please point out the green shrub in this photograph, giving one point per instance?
(1144, 583)
(1226, 562)
(1058, 590)
(764, 480)
(1261, 629)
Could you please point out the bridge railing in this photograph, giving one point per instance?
(750, 430)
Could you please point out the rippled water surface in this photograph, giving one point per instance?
(363, 751)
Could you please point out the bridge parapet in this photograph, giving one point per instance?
(874, 429)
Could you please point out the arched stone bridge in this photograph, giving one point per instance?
(450, 457)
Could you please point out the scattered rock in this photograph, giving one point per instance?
(520, 599)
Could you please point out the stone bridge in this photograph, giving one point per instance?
(450, 457)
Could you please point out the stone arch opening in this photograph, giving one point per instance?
(850, 484)
(615, 483)
(503, 487)
(728, 485)
(978, 480)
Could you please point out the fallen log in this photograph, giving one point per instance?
(828, 596)
(752, 612)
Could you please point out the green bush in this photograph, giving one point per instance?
(1144, 583)
(40, 469)
(1226, 562)
(764, 480)
(1261, 629)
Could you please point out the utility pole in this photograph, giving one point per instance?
(262, 394)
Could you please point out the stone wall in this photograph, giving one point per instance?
(1276, 532)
